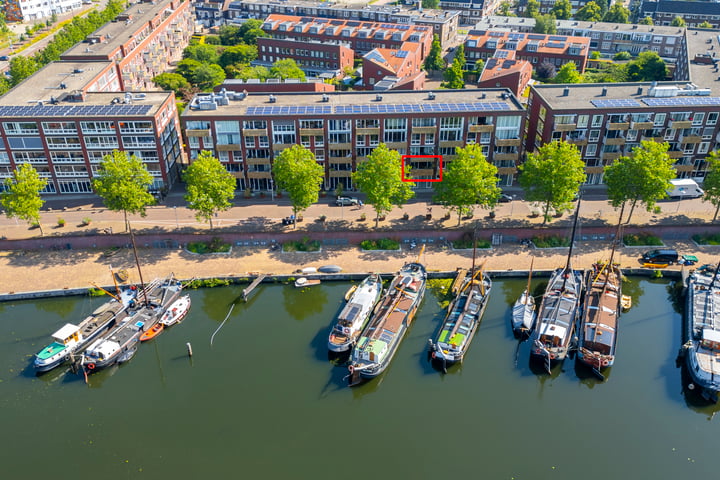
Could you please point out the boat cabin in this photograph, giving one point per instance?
(710, 339)
(553, 335)
(68, 334)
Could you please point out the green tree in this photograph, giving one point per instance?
(646, 21)
(454, 76)
(468, 181)
(617, 13)
(171, 81)
(591, 12)
(641, 177)
(711, 184)
(647, 67)
(201, 52)
(238, 54)
(206, 76)
(545, 24)
(434, 60)
(505, 9)
(286, 68)
(434, 4)
(624, 55)
(460, 56)
(568, 74)
(250, 30)
(246, 72)
(187, 67)
(479, 67)
(532, 9)
(21, 67)
(379, 178)
(296, 171)
(677, 22)
(229, 35)
(562, 9)
(21, 198)
(552, 176)
(705, 24)
(122, 182)
(210, 187)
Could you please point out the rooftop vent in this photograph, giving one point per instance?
(325, 98)
(604, 92)
(378, 98)
(431, 96)
(640, 90)
(272, 99)
(566, 91)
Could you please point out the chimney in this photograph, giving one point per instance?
(639, 92)
(566, 91)
(419, 4)
(604, 92)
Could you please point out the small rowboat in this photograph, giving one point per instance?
(306, 282)
(154, 331)
(626, 302)
(330, 269)
(176, 312)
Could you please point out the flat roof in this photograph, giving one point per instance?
(513, 23)
(344, 103)
(701, 42)
(118, 32)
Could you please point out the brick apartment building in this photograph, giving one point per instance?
(694, 13)
(26, 11)
(342, 129)
(384, 68)
(319, 59)
(607, 121)
(275, 85)
(504, 71)
(444, 23)
(142, 41)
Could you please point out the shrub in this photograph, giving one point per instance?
(216, 245)
(380, 244)
(304, 245)
(86, 220)
(707, 239)
(465, 242)
(61, 222)
(641, 239)
(550, 241)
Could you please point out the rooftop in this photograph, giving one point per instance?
(526, 24)
(344, 103)
(698, 8)
(704, 42)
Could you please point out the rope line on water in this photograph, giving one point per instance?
(221, 325)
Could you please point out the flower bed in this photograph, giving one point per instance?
(216, 245)
(304, 245)
(380, 244)
(550, 241)
(707, 239)
(642, 240)
(465, 244)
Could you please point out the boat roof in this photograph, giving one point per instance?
(551, 330)
(711, 335)
(66, 331)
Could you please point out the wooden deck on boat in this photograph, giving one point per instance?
(602, 307)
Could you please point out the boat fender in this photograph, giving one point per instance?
(352, 369)
(552, 356)
(605, 362)
(91, 366)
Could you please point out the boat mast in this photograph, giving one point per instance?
(568, 265)
(137, 262)
(527, 289)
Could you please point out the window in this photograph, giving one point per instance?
(704, 147)
(59, 127)
(109, 127)
(254, 124)
(225, 126)
(597, 121)
(698, 117)
(423, 122)
(631, 135)
(18, 128)
(370, 123)
(582, 121)
(660, 119)
(594, 135)
(564, 119)
(508, 127)
(712, 118)
(311, 124)
(591, 150)
(707, 133)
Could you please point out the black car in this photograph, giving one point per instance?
(663, 255)
(505, 198)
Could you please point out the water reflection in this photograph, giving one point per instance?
(301, 303)
(693, 397)
(66, 306)
(634, 288)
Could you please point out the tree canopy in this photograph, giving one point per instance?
(711, 185)
(532, 9)
(431, 4)
(647, 67)
(207, 75)
(246, 33)
(591, 12)
(379, 178)
(546, 70)
(454, 76)
(238, 54)
(171, 81)
(434, 60)
(122, 182)
(296, 171)
(641, 177)
(646, 21)
(286, 68)
(468, 181)
(545, 24)
(21, 198)
(617, 13)
(209, 186)
(677, 22)
(201, 52)
(552, 176)
(505, 9)
(568, 74)
(562, 9)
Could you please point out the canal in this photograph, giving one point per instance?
(263, 401)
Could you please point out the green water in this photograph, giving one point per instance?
(265, 402)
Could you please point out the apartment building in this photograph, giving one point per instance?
(532, 47)
(317, 59)
(694, 13)
(246, 131)
(546, 6)
(384, 68)
(142, 41)
(507, 72)
(67, 116)
(444, 23)
(27, 11)
(275, 85)
(670, 43)
(471, 10)
(606, 121)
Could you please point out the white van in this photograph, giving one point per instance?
(684, 188)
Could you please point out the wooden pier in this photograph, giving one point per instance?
(247, 291)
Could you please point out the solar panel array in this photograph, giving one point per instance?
(680, 101)
(536, 37)
(615, 103)
(73, 110)
(294, 110)
(516, 36)
(421, 108)
(401, 53)
(555, 45)
(496, 34)
(557, 39)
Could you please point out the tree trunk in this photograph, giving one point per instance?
(459, 217)
(632, 209)
(127, 225)
(211, 225)
(717, 207)
(546, 213)
(377, 219)
(43, 233)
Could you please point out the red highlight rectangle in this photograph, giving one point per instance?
(405, 158)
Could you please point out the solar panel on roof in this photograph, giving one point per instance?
(501, 54)
(536, 37)
(496, 34)
(615, 103)
(352, 23)
(555, 45)
(557, 39)
(73, 110)
(516, 36)
(508, 63)
(374, 55)
(680, 101)
(401, 53)
(336, 22)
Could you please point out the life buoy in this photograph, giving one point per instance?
(91, 366)
(352, 369)
(605, 362)
(433, 354)
(346, 330)
(552, 356)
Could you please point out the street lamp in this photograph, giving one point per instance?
(512, 205)
(272, 190)
(177, 225)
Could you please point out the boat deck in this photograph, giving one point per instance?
(558, 309)
(602, 308)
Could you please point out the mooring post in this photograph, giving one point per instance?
(189, 348)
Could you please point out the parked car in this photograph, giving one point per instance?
(346, 201)
(4, 58)
(504, 198)
(663, 255)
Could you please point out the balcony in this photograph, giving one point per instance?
(565, 127)
(448, 158)
(675, 153)
(368, 131)
(591, 170)
(451, 144)
(259, 175)
(257, 161)
(342, 160)
(359, 160)
(642, 125)
(396, 145)
(341, 146)
(417, 130)
(507, 142)
(340, 173)
(684, 168)
(279, 147)
(228, 148)
(312, 131)
(611, 155)
(618, 126)
(254, 132)
(690, 139)
(652, 139)
(680, 124)
(422, 172)
(507, 170)
(481, 128)
(615, 141)
(577, 141)
(506, 156)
